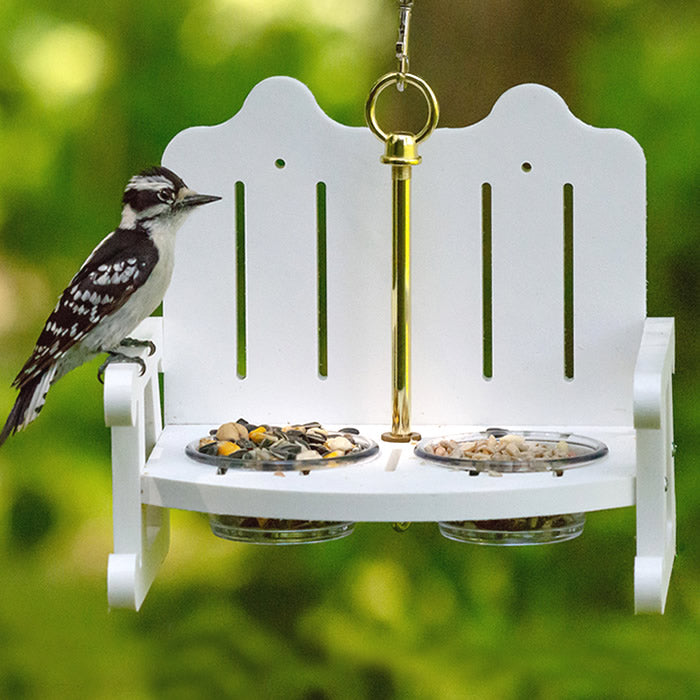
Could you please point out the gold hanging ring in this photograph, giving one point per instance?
(410, 79)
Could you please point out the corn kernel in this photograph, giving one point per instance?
(257, 435)
(227, 448)
(335, 453)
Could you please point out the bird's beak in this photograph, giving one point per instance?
(194, 199)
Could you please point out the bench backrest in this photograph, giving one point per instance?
(528, 277)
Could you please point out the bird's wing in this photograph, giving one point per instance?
(102, 285)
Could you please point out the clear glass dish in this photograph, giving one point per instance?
(368, 448)
(543, 529)
(277, 531)
(580, 451)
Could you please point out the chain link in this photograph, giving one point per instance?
(405, 9)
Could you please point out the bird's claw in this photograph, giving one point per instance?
(119, 357)
(135, 343)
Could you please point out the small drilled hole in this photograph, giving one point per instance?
(526, 167)
(279, 163)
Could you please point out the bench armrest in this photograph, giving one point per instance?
(655, 365)
(132, 411)
(655, 491)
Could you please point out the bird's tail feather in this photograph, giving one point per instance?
(29, 403)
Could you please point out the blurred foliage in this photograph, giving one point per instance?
(92, 92)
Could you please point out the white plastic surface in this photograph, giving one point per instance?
(395, 486)
(620, 393)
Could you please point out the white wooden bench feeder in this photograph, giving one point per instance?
(528, 287)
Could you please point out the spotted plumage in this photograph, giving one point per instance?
(121, 283)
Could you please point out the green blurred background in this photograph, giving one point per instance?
(91, 93)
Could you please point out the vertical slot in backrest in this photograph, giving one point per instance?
(241, 305)
(486, 282)
(569, 337)
(322, 278)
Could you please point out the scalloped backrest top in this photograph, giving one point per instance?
(528, 269)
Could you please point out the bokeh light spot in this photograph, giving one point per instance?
(64, 62)
(380, 589)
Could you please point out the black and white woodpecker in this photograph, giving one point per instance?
(120, 284)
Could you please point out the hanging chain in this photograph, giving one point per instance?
(405, 9)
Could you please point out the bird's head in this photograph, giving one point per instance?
(158, 195)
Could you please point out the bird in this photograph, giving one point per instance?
(120, 284)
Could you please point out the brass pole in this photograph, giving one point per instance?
(401, 301)
(401, 154)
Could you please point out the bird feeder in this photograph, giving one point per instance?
(512, 301)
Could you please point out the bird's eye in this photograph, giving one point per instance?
(166, 195)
